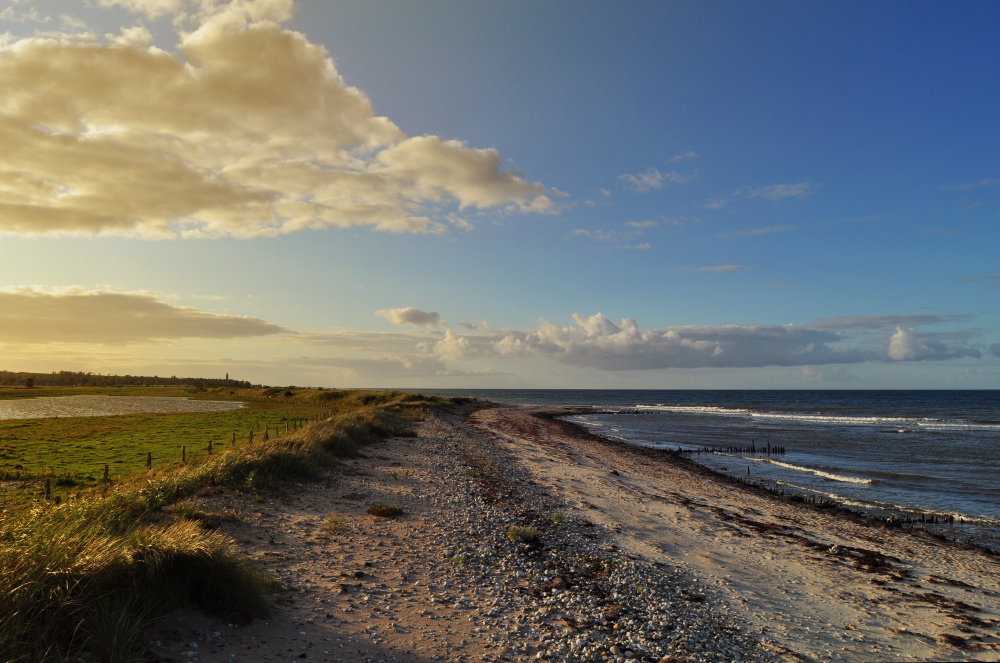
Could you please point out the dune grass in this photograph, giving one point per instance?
(72, 451)
(87, 573)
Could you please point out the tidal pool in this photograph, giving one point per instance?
(100, 406)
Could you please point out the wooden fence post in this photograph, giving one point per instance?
(48, 489)
(184, 454)
(209, 447)
(149, 460)
(105, 474)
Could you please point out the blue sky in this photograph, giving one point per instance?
(558, 194)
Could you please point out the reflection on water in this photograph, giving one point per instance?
(99, 406)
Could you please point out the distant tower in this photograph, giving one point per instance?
(227, 377)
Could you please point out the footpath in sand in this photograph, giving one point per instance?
(623, 556)
(820, 584)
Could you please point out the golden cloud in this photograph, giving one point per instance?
(32, 315)
(248, 130)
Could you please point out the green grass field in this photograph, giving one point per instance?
(72, 451)
(82, 572)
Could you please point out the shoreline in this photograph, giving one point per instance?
(815, 581)
(623, 558)
(683, 459)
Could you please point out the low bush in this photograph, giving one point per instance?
(384, 511)
(523, 534)
(335, 524)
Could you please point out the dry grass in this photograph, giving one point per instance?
(335, 524)
(86, 575)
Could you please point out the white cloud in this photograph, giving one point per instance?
(149, 8)
(248, 130)
(653, 179)
(42, 322)
(183, 11)
(721, 268)
(885, 322)
(781, 191)
(910, 345)
(622, 240)
(684, 156)
(410, 316)
(71, 22)
(754, 232)
(29, 15)
(33, 315)
(596, 342)
(774, 193)
(986, 181)
(642, 225)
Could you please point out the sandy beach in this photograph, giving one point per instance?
(638, 555)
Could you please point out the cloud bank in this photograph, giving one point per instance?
(597, 342)
(31, 315)
(51, 317)
(247, 130)
(410, 316)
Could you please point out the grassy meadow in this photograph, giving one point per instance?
(82, 572)
(72, 451)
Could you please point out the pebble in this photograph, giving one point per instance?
(568, 597)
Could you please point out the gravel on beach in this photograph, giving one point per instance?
(485, 565)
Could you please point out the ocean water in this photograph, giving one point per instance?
(930, 453)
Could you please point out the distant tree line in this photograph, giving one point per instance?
(75, 379)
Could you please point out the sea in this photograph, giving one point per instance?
(923, 455)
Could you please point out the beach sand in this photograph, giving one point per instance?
(817, 583)
(724, 572)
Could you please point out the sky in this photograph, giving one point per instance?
(558, 194)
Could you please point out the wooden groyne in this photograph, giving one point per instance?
(766, 449)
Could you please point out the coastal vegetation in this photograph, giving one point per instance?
(87, 568)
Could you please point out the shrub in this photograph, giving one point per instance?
(384, 511)
(335, 524)
(523, 534)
